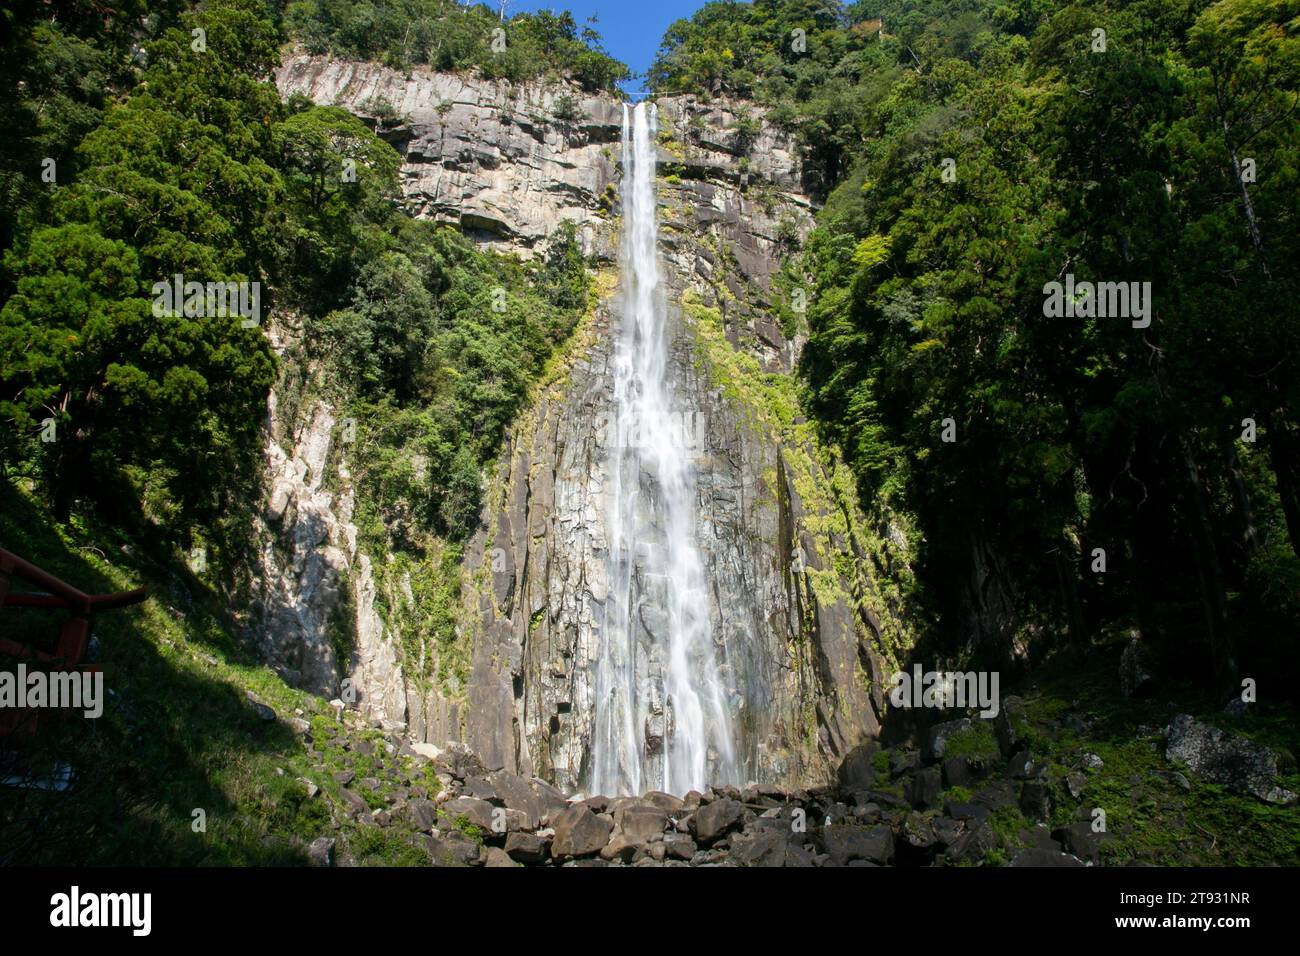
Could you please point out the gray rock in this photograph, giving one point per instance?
(1021, 767)
(321, 851)
(1229, 759)
(1135, 678)
(1079, 839)
(923, 790)
(517, 793)
(964, 771)
(1075, 782)
(422, 814)
(765, 847)
(973, 845)
(1035, 800)
(903, 762)
(847, 843)
(475, 811)
(858, 771)
(451, 848)
(966, 811)
(298, 725)
(1011, 713)
(918, 842)
(937, 740)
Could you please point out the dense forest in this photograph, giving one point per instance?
(196, 166)
(1069, 473)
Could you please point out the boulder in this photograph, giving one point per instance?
(923, 790)
(635, 827)
(941, 733)
(1035, 800)
(452, 848)
(1080, 840)
(1075, 782)
(475, 811)
(321, 852)
(966, 811)
(495, 856)
(760, 847)
(665, 801)
(858, 770)
(972, 846)
(516, 793)
(423, 814)
(1021, 766)
(715, 819)
(579, 832)
(1006, 725)
(527, 847)
(904, 762)
(679, 846)
(426, 750)
(1135, 678)
(847, 843)
(356, 803)
(918, 841)
(1228, 759)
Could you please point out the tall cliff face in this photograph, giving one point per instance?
(796, 615)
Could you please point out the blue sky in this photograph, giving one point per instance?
(631, 29)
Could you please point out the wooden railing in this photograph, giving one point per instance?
(67, 651)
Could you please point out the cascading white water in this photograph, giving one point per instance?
(661, 715)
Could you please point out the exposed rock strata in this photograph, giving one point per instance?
(800, 638)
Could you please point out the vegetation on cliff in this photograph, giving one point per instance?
(1105, 473)
(445, 35)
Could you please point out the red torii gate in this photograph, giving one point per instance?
(69, 648)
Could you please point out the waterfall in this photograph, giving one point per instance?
(661, 715)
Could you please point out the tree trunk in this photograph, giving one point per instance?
(1245, 513)
(1067, 574)
(1214, 597)
(1283, 456)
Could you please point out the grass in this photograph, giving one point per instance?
(1149, 815)
(179, 732)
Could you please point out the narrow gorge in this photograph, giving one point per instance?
(672, 585)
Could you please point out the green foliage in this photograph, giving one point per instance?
(447, 36)
(177, 179)
(1122, 166)
(977, 742)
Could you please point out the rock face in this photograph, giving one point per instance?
(309, 581)
(492, 158)
(794, 607)
(804, 640)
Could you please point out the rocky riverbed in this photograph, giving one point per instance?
(964, 792)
